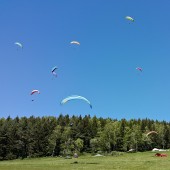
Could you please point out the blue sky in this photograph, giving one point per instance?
(102, 68)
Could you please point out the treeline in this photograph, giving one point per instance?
(50, 136)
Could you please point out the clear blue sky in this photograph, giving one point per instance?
(102, 68)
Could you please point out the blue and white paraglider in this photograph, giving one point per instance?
(75, 97)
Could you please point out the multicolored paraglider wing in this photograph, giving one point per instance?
(53, 71)
(34, 91)
(73, 97)
(129, 18)
(139, 68)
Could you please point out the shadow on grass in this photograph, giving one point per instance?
(84, 162)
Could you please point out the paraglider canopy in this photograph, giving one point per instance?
(18, 44)
(151, 132)
(129, 18)
(34, 91)
(75, 42)
(139, 68)
(53, 70)
(73, 97)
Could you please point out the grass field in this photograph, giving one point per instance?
(127, 161)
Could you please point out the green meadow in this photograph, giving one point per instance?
(125, 161)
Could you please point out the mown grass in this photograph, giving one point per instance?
(127, 161)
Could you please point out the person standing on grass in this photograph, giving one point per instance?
(76, 157)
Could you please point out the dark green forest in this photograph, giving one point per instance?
(63, 135)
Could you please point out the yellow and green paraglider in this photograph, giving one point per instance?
(129, 18)
(151, 132)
